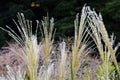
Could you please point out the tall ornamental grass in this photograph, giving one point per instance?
(47, 60)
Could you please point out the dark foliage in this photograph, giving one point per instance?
(63, 11)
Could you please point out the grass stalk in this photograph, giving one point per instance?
(48, 34)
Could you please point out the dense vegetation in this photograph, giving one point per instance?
(63, 11)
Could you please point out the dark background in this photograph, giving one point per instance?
(63, 11)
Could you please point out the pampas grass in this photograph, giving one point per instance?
(45, 60)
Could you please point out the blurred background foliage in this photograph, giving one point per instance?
(63, 11)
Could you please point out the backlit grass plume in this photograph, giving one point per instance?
(28, 42)
(100, 34)
(48, 36)
(81, 43)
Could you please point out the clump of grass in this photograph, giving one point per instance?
(44, 61)
(28, 43)
(81, 43)
(106, 51)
